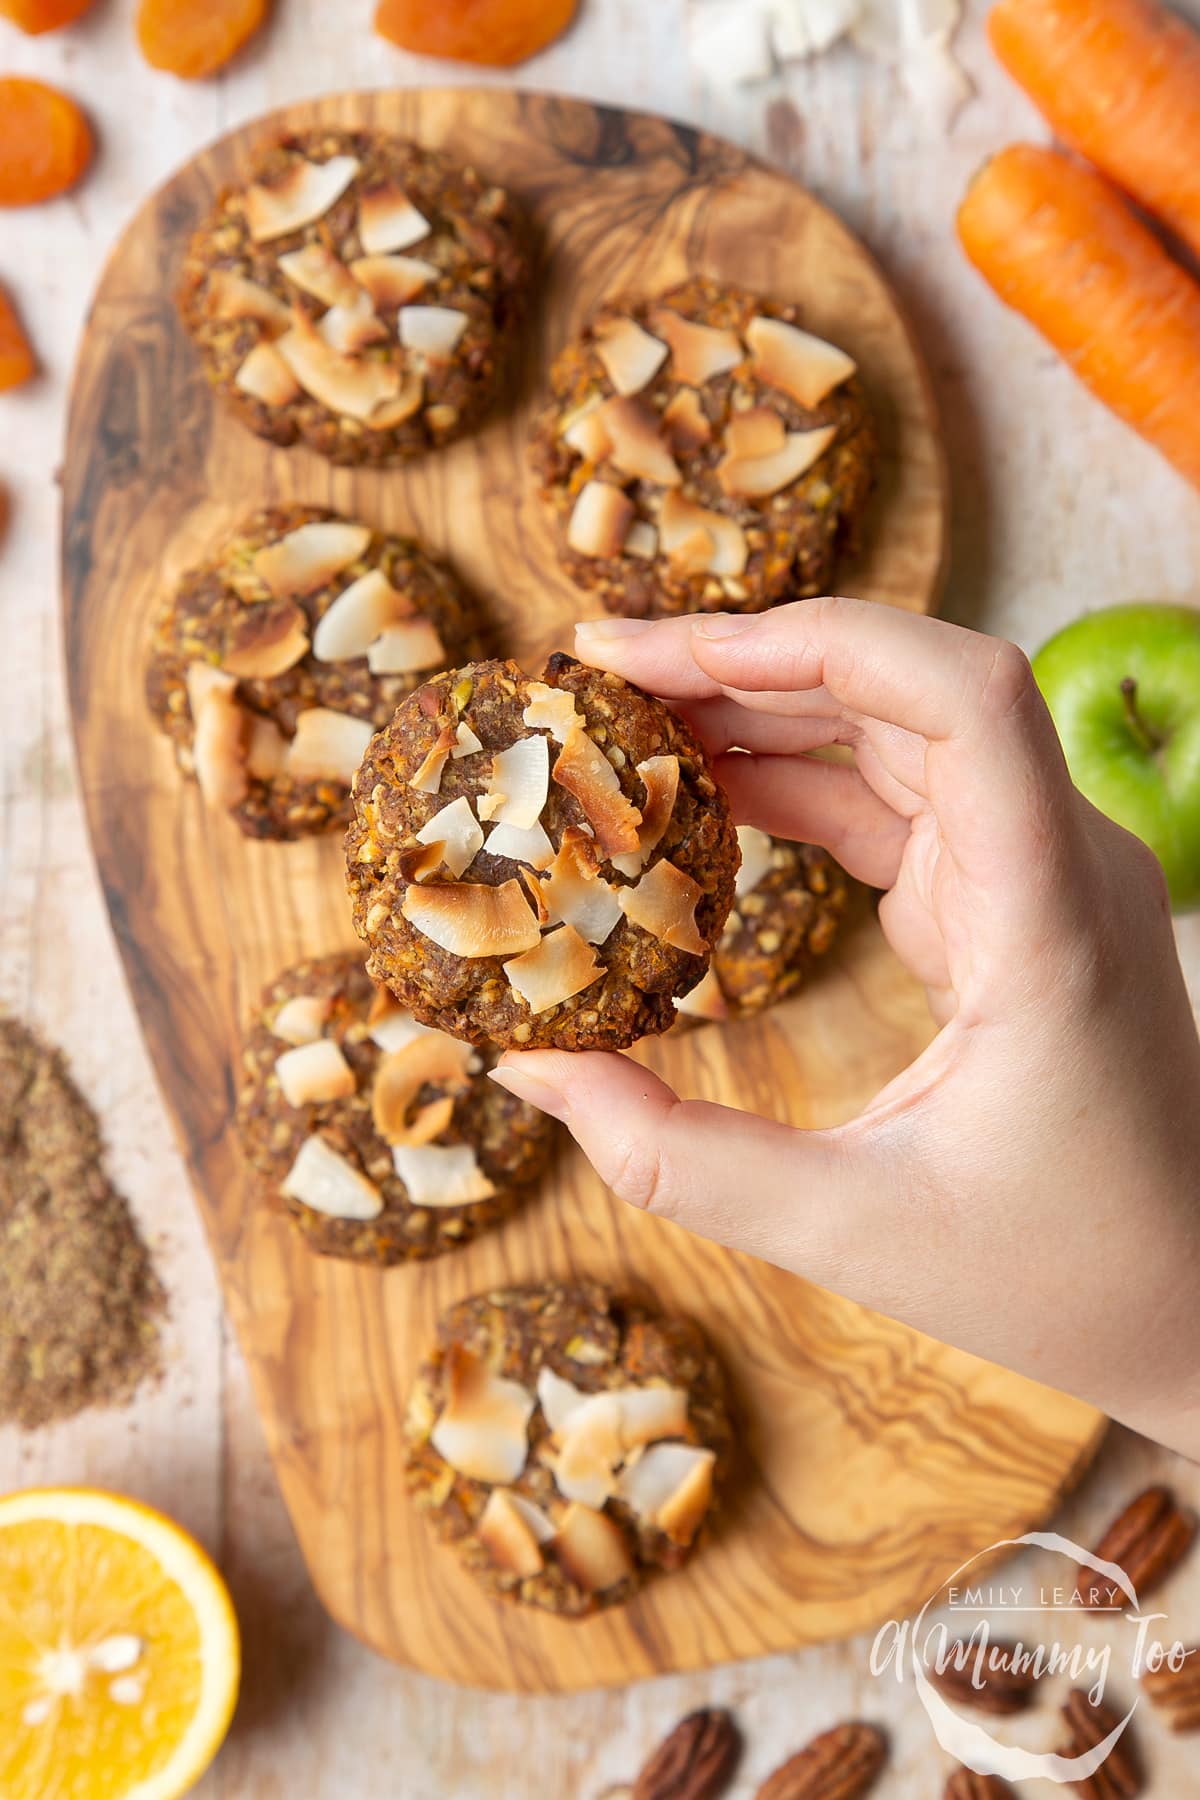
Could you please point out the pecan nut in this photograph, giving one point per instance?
(999, 1690)
(1119, 1776)
(1148, 1541)
(1176, 1692)
(841, 1764)
(694, 1761)
(964, 1784)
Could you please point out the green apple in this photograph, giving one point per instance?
(1123, 685)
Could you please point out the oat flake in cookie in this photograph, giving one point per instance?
(539, 862)
(273, 663)
(703, 452)
(359, 295)
(385, 1141)
(568, 1442)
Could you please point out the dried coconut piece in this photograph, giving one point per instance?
(589, 1450)
(432, 1060)
(388, 220)
(301, 1020)
(557, 1397)
(326, 1182)
(582, 429)
(456, 833)
(759, 431)
(351, 328)
(698, 352)
(219, 728)
(754, 477)
(406, 648)
(528, 844)
(510, 1537)
(300, 193)
(706, 1001)
(400, 407)
(681, 524)
(583, 770)
(465, 743)
(660, 777)
(592, 1550)
(390, 1025)
(328, 746)
(310, 556)
(574, 891)
(482, 1431)
(441, 1174)
(650, 1413)
(636, 442)
(470, 919)
(556, 969)
(757, 853)
(357, 617)
(351, 386)
(417, 862)
(641, 540)
(685, 422)
(599, 520)
(664, 904)
(317, 271)
(314, 1073)
(804, 366)
(518, 784)
(391, 281)
(267, 641)
(550, 709)
(431, 330)
(233, 296)
(670, 1487)
(265, 376)
(427, 776)
(266, 749)
(631, 357)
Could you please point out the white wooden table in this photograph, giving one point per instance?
(1056, 508)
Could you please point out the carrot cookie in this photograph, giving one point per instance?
(789, 903)
(704, 453)
(386, 1142)
(539, 863)
(358, 295)
(568, 1442)
(273, 663)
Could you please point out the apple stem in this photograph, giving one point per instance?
(1140, 731)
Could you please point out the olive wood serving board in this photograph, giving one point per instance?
(873, 1461)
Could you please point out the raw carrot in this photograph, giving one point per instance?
(16, 357)
(1061, 246)
(1119, 80)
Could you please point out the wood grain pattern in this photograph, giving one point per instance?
(874, 1460)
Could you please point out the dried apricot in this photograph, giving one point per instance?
(45, 141)
(194, 38)
(480, 31)
(36, 16)
(16, 357)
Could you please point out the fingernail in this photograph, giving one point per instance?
(611, 628)
(529, 1088)
(722, 625)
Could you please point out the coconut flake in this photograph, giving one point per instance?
(427, 776)
(592, 1550)
(755, 477)
(232, 296)
(266, 749)
(310, 556)
(756, 850)
(664, 904)
(589, 1449)
(441, 1174)
(301, 192)
(557, 1397)
(650, 1413)
(393, 280)
(518, 784)
(685, 422)
(325, 1182)
(390, 1025)
(670, 1487)
(527, 844)
(482, 1429)
(388, 220)
(698, 352)
(431, 1060)
(431, 330)
(701, 540)
(351, 328)
(705, 1001)
(406, 648)
(328, 746)
(631, 357)
(351, 386)
(574, 891)
(301, 1019)
(804, 366)
(508, 1535)
(637, 446)
(582, 430)
(469, 919)
(267, 641)
(583, 770)
(642, 540)
(317, 271)
(660, 777)
(219, 726)
(265, 376)
(456, 832)
(357, 617)
(759, 431)
(465, 743)
(396, 410)
(557, 968)
(550, 709)
(314, 1073)
(599, 520)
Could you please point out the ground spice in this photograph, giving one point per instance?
(80, 1304)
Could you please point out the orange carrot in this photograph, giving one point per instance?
(1119, 80)
(16, 357)
(1061, 246)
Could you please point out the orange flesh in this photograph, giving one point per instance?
(194, 38)
(45, 143)
(16, 357)
(36, 16)
(500, 32)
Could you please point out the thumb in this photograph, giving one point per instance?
(790, 1197)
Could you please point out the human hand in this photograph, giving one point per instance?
(1029, 1189)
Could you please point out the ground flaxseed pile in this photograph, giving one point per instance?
(80, 1303)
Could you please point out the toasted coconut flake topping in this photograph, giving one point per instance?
(706, 1001)
(465, 743)
(301, 1019)
(631, 357)
(583, 770)
(557, 1397)
(219, 733)
(574, 891)
(432, 1060)
(457, 833)
(232, 296)
(471, 920)
(482, 1431)
(670, 1487)
(395, 411)
(328, 746)
(313, 1073)
(682, 525)
(417, 862)
(804, 366)
(315, 270)
(523, 844)
(203, 679)
(754, 477)
(324, 1181)
(592, 1550)
(388, 220)
(518, 784)
(685, 423)
(599, 520)
(301, 192)
(351, 328)
(310, 556)
(357, 617)
(393, 280)
(583, 430)
(405, 648)
(508, 1537)
(351, 386)
(390, 1025)
(757, 432)
(433, 330)
(755, 847)
(698, 352)
(441, 1174)
(637, 446)
(642, 540)
(660, 776)
(664, 904)
(550, 709)
(562, 965)
(265, 376)
(427, 777)
(267, 641)
(589, 1449)
(266, 749)
(650, 1413)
